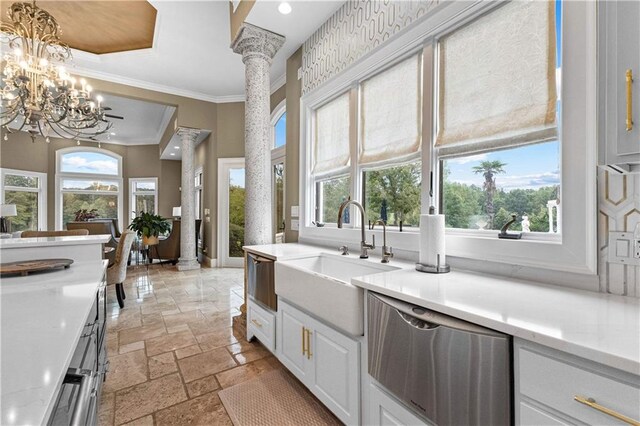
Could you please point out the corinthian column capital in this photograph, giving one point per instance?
(253, 41)
(188, 133)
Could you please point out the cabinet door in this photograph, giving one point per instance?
(291, 330)
(627, 32)
(336, 375)
(621, 52)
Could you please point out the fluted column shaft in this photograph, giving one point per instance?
(188, 258)
(257, 46)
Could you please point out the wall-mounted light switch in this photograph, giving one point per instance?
(295, 224)
(295, 211)
(623, 248)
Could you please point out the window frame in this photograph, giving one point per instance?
(133, 193)
(574, 251)
(60, 176)
(41, 191)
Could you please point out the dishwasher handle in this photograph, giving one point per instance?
(427, 320)
(258, 259)
(86, 380)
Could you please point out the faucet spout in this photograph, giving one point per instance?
(364, 246)
(387, 252)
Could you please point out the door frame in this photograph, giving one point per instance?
(224, 166)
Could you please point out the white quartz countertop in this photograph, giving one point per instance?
(601, 327)
(11, 243)
(41, 319)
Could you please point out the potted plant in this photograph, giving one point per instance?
(149, 226)
(84, 215)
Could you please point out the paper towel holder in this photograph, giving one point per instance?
(433, 269)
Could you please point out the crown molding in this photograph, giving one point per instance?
(155, 87)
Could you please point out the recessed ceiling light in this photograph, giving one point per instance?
(113, 133)
(176, 147)
(172, 153)
(284, 8)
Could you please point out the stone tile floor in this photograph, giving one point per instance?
(174, 346)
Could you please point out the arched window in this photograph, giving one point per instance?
(88, 179)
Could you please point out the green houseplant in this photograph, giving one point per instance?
(149, 226)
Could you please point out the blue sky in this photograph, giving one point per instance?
(532, 166)
(281, 131)
(236, 177)
(89, 162)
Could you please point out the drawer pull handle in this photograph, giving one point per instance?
(592, 403)
(309, 354)
(629, 81)
(303, 340)
(256, 322)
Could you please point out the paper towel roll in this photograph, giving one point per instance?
(432, 239)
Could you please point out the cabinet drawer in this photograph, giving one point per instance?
(262, 324)
(556, 381)
(532, 416)
(385, 410)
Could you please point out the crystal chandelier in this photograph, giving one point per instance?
(37, 94)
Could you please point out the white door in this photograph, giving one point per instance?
(231, 192)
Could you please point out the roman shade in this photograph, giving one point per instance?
(331, 147)
(390, 117)
(498, 81)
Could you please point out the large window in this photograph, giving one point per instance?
(143, 194)
(28, 191)
(474, 119)
(88, 179)
(497, 126)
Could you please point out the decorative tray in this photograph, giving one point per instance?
(25, 267)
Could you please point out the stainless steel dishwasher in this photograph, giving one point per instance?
(449, 371)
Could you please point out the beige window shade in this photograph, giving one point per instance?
(391, 113)
(497, 80)
(331, 149)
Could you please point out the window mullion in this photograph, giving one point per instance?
(354, 140)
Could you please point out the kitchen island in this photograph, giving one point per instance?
(79, 248)
(42, 318)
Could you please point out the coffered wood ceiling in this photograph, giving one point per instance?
(100, 26)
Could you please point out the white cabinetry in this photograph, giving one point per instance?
(261, 323)
(619, 52)
(385, 410)
(547, 383)
(325, 360)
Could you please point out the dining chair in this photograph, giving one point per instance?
(117, 273)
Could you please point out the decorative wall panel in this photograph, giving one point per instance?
(358, 27)
(618, 210)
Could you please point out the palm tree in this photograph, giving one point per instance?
(489, 169)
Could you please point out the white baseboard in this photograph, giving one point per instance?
(209, 262)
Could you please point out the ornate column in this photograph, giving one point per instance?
(188, 258)
(258, 47)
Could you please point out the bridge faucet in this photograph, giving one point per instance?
(387, 252)
(364, 246)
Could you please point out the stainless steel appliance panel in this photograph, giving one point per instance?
(261, 282)
(448, 371)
